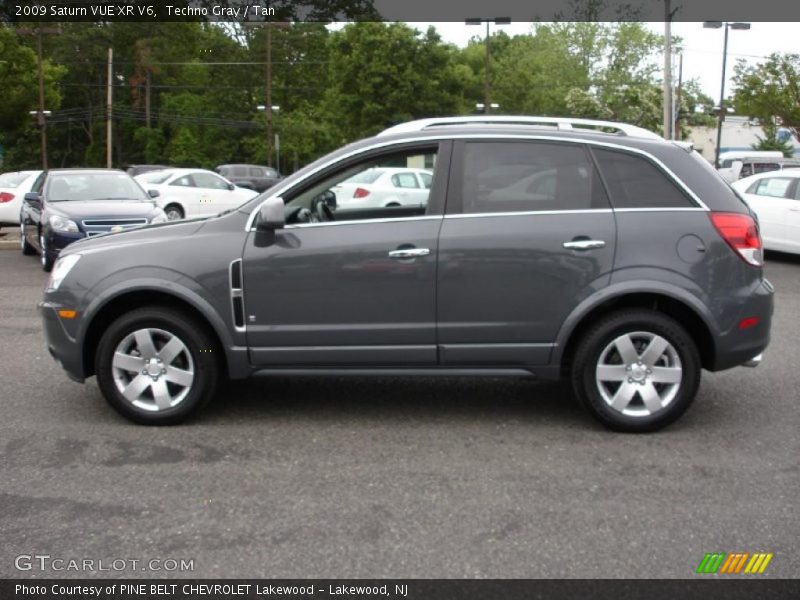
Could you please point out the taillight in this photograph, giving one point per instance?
(741, 233)
(6, 197)
(360, 193)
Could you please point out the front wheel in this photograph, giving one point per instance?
(155, 366)
(636, 371)
(26, 248)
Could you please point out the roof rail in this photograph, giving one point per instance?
(563, 123)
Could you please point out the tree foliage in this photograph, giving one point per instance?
(204, 82)
(770, 90)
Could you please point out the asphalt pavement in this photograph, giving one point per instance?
(395, 477)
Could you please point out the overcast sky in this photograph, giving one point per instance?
(702, 47)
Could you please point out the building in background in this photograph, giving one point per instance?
(738, 133)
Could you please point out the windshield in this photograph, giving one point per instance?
(63, 187)
(154, 177)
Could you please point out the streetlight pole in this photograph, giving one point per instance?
(487, 85)
(726, 25)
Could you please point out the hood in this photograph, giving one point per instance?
(141, 235)
(75, 209)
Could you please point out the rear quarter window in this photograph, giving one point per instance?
(635, 182)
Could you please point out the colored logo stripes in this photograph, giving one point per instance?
(734, 563)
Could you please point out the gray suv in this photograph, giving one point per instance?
(544, 247)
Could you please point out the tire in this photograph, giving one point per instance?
(194, 366)
(46, 259)
(26, 248)
(174, 212)
(628, 384)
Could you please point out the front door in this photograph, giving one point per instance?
(345, 288)
(528, 234)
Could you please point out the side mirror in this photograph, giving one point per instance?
(231, 186)
(33, 198)
(153, 193)
(271, 215)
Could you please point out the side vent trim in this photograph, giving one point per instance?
(237, 294)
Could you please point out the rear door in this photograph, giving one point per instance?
(528, 234)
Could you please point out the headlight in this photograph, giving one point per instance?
(160, 218)
(59, 223)
(61, 269)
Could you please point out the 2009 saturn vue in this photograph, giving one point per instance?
(545, 247)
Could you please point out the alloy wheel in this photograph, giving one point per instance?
(153, 369)
(639, 374)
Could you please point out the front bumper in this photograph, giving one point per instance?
(64, 349)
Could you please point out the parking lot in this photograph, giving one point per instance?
(396, 477)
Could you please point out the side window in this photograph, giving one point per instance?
(404, 180)
(256, 172)
(427, 180)
(635, 182)
(364, 191)
(39, 183)
(774, 187)
(529, 176)
(765, 167)
(747, 170)
(185, 181)
(209, 181)
(238, 172)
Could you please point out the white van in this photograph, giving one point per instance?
(731, 163)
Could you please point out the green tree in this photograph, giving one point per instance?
(382, 74)
(770, 90)
(19, 95)
(772, 141)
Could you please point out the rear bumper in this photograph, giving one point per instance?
(64, 349)
(744, 347)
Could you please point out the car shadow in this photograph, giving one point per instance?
(773, 256)
(390, 398)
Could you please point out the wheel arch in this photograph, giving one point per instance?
(119, 304)
(684, 311)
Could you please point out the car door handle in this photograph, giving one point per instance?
(409, 252)
(584, 244)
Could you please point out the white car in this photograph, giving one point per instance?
(13, 187)
(193, 192)
(775, 198)
(384, 186)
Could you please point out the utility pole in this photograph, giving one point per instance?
(41, 113)
(679, 98)
(147, 97)
(268, 104)
(487, 99)
(487, 82)
(668, 114)
(109, 102)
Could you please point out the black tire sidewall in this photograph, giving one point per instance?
(602, 334)
(191, 334)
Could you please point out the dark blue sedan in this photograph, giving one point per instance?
(66, 205)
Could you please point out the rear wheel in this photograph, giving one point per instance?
(636, 371)
(174, 212)
(155, 366)
(26, 248)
